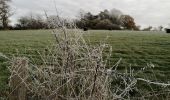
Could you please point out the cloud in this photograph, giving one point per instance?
(145, 12)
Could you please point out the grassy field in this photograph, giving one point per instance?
(136, 49)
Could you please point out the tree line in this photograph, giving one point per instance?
(109, 20)
(39, 22)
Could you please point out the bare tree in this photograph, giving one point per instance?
(4, 13)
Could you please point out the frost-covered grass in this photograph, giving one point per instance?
(137, 49)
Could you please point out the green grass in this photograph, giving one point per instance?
(22, 43)
(135, 48)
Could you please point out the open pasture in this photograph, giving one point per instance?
(136, 48)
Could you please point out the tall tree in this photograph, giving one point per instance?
(127, 22)
(4, 13)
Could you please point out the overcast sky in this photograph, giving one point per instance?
(145, 12)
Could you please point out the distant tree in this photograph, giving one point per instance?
(81, 14)
(104, 14)
(87, 20)
(103, 24)
(160, 28)
(39, 22)
(127, 22)
(23, 22)
(112, 19)
(4, 13)
(115, 13)
(79, 21)
(148, 28)
(31, 22)
(107, 24)
(137, 28)
(57, 21)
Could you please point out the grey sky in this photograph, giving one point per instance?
(145, 12)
